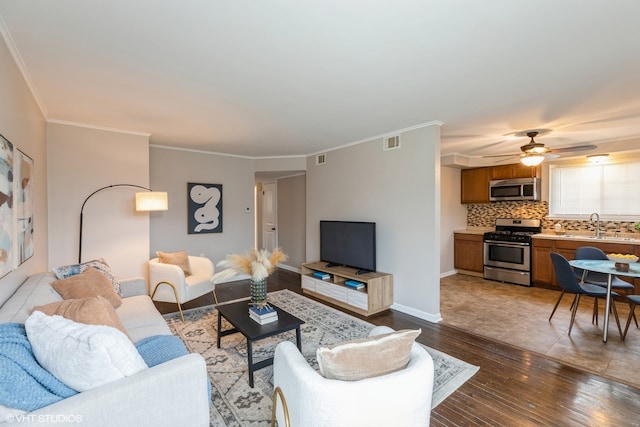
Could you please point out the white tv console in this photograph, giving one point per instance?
(376, 296)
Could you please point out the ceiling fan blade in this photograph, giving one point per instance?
(550, 156)
(576, 148)
(504, 160)
(500, 155)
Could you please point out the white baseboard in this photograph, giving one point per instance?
(289, 268)
(433, 318)
(448, 273)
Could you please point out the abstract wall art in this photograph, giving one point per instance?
(7, 219)
(23, 205)
(204, 208)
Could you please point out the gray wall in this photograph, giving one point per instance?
(291, 218)
(82, 160)
(171, 170)
(453, 216)
(399, 190)
(23, 124)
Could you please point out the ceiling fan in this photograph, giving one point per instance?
(533, 153)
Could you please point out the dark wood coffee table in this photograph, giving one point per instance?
(238, 315)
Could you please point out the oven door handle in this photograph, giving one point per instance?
(513, 244)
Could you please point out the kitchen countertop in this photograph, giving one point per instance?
(628, 238)
(475, 230)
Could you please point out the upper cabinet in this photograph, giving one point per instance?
(475, 185)
(475, 182)
(516, 170)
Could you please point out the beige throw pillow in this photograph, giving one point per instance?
(367, 358)
(87, 284)
(90, 311)
(181, 259)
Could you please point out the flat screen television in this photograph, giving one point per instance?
(349, 243)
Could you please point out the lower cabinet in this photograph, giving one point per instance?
(468, 253)
(542, 269)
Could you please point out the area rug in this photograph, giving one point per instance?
(234, 403)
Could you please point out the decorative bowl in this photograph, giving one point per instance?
(622, 259)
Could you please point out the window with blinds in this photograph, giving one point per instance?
(612, 190)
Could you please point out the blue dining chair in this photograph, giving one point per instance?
(633, 301)
(600, 279)
(568, 281)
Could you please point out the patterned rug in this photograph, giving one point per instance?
(234, 403)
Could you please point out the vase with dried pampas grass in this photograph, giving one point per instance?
(258, 264)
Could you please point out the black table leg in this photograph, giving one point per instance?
(219, 328)
(298, 339)
(250, 358)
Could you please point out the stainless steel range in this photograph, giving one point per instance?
(507, 251)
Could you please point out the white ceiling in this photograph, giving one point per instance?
(285, 78)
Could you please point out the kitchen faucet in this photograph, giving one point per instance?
(597, 223)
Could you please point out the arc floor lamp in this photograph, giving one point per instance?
(146, 201)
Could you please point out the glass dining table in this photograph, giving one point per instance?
(608, 268)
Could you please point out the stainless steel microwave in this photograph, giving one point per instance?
(514, 189)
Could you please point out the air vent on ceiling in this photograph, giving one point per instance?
(321, 159)
(391, 143)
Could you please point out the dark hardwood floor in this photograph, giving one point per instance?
(512, 388)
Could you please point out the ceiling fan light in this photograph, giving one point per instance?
(597, 158)
(538, 150)
(531, 159)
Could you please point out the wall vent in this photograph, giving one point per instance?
(321, 159)
(391, 143)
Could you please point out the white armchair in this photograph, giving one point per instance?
(401, 398)
(170, 284)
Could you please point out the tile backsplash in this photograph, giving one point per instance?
(485, 214)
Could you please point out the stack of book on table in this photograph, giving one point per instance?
(263, 315)
(354, 284)
(321, 275)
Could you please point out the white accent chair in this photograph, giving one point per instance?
(170, 284)
(401, 398)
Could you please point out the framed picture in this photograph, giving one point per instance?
(204, 208)
(23, 205)
(7, 220)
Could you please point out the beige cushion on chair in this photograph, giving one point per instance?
(368, 357)
(181, 259)
(187, 288)
(401, 398)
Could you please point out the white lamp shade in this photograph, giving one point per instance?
(531, 159)
(152, 201)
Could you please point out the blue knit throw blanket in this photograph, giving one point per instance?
(24, 384)
(158, 349)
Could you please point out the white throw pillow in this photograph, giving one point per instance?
(81, 356)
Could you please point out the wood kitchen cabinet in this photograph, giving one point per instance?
(542, 269)
(475, 182)
(468, 253)
(515, 170)
(474, 185)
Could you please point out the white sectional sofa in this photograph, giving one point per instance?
(174, 393)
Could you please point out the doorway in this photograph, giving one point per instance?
(269, 215)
